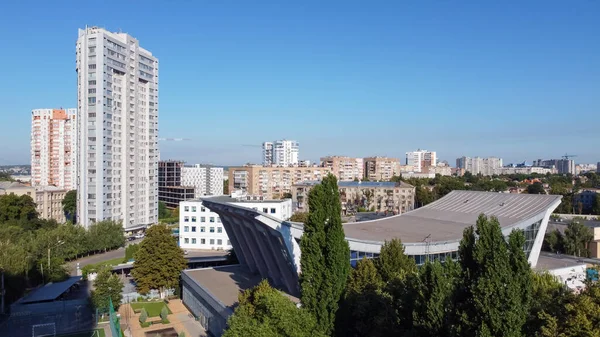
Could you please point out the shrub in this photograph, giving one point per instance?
(143, 315)
(146, 324)
(165, 321)
(182, 334)
(164, 312)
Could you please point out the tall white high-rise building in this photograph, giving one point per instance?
(117, 82)
(421, 159)
(54, 147)
(285, 152)
(206, 180)
(267, 153)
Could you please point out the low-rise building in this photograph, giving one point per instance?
(272, 182)
(586, 198)
(200, 228)
(49, 203)
(390, 197)
(345, 168)
(381, 168)
(16, 188)
(526, 170)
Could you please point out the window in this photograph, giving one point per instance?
(272, 210)
(92, 100)
(91, 66)
(202, 229)
(219, 220)
(186, 240)
(194, 241)
(212, 219)
(202, 219)
(186, 219)
(193, 208)
(219, 242)
(193, 219)
(92, 82)
(91, 91)
(202, 209)
(186, 208)
(212, 241)
(202, 241)
(228, 243)
(219, 229)
(265, 210)
(186, 228)
(212, 229)
(193, 228)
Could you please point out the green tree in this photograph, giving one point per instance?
(13, 207)
(392, 261)
(69, 204)
(5, 176)
(164, 312)
(107, 286)
(324, 261)
(163, 212)
(226, 187)
(143, 316)
(130, 252)
(536, 188)
(548, 300)
(494, 294)
(577, 238)
(299, 217)
(287, 195)
(264, 311)
(158, 262)
(596, 204)
(554, 242)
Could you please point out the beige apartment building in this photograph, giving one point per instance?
(381, 168)
(49, 203)
(345, 168)
(272, 182)
(390, 197)
(16, 188)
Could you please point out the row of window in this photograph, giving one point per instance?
(203, 241)
(203, 209)
(202, 219)
(203, 229)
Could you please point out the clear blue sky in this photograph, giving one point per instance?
(520, 80)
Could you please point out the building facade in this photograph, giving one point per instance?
(562, 166)
(584, 200)
(206, 180)
(382, 197)
(421, 159)
(381, 168)
(48, 201)
(117, 83)
(477, 165)
(267, 153)
(345, 168)
(281, 153)
(171, 191)
(200, 228)
(16, 188)
(54, 147)
(272, 182)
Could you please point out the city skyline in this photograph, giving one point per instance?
(496, 87)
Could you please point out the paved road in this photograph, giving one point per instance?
(573, 259)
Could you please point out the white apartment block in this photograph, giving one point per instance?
(484, 166)
(420, 159)
(117, 82)
(199, 228)
(267, 153)
(54, 148)
(205, 180)
(345, 168)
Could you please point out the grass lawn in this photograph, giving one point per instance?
(93, 333)
(112, 262)
(153, 308)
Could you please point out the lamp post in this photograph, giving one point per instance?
(58, 243)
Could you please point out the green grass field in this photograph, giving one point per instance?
(93, 333)
(153, 308)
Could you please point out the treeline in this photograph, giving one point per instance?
(490, 291)
(26, 242)
(575, 240)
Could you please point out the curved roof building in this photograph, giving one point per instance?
(269, 246)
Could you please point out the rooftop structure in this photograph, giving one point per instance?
(430, 232)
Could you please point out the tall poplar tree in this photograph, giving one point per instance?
(325, 259)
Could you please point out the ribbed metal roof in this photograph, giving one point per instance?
(446, 218)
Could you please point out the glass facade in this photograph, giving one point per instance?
(531, 232)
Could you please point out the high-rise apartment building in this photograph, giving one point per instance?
(54, 148)
(345, 168)
(280, 153)
(206, 180)
(562, 166)
(476, 165)
(420, 160)
(117, 82)
(598, 167)
(272, 182)
(171, 190)
(381, 168)
(267, 153)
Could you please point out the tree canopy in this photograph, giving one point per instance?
(324, 262)
(158, 262)
(69, 204)
(107, 286)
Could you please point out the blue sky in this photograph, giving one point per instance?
(520, 80)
